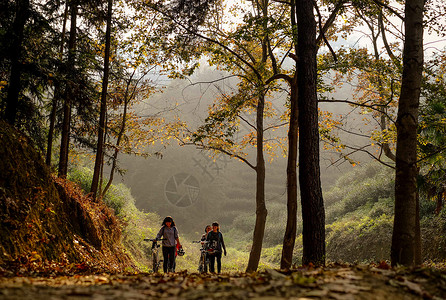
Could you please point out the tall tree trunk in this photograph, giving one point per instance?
(100, 194)
(403, 250)
(289, 237)
(261, 211)
(120, 135)
(49, 145)
(382, 108)
(103, 111)
(313, 214)
(49, 148)
(418, 249)
(69, 94)
(439, 202)
(18, 28)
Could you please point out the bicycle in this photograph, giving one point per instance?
(156, 261)
(204, 260)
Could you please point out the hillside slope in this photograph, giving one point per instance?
(46, 221)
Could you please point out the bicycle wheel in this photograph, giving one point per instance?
(205, 263)
(155, 262)
(200, 267)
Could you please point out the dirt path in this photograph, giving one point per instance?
(337, 282)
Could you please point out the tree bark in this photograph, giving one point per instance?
(439, 202)
(418, 248)
(103, 110)
(289, 238)
(18, 28)
(49, 148)
(122, 129)
(261, 211)
(313, 214)
(404, 242)
(69, 94)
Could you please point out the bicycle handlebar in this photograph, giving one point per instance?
(204, 242)
(155, 240)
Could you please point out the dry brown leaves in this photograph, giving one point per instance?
(333, 282)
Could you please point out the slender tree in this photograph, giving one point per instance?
(121, 132)
(289, 237)
(404, 241)
(261, 211)
(69, 93)
(57, 91)
(16, 49)
(102, 116)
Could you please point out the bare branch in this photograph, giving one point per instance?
(375, 107)
(379, 3)
(351, 132)
(330, 21)
(362, 149)
(275, 126)
(280, 76)
(247, 122)
(205, 147)
(386, 44)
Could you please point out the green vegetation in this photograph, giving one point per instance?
(359, 209)
(136, 224)
(48, 224)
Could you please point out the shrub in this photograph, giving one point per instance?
(362, 187)
(360, 240)
(82, 176)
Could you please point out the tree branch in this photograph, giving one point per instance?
(207, 39)
(204, 147)
(386, 44)
(379, 3)
(280, 76)
(322, 32)
(362, 105)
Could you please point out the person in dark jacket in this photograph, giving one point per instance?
(169, 233)
(217, 246)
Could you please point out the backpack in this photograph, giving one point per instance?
(214, 245)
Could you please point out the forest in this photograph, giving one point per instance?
(314, 132)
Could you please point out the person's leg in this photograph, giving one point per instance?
(171, 265)
(165, 258)
(218, 256)
(211, 263)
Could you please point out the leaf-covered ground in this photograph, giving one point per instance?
(332, 282)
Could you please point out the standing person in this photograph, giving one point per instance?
(169, 232)
(215, 239)
(203, 240)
